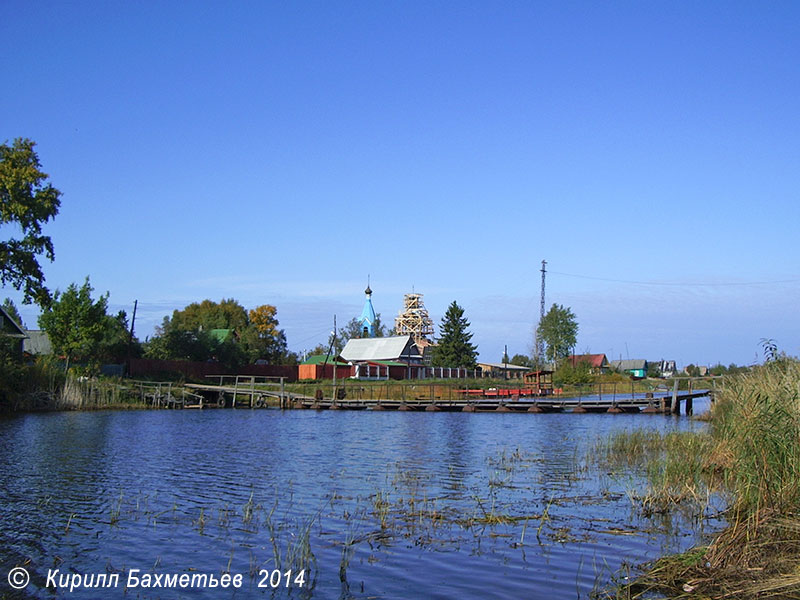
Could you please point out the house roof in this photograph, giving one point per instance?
(595, 361)
(319, 359)
(508, 366)
(9, 327)
(631, 364)
(37, 344)
(385, 348)
(220, 335)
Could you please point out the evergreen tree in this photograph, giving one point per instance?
(454, 348)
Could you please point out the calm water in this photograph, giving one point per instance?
(391, 505)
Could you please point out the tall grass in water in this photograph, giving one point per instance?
(678, 466)
(754, 447)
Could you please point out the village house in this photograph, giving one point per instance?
(395, 357)
(10, 330)
(36, 344)
(598, 363)
(635, 367)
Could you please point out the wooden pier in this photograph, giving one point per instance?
(664, 404)
(240, 391)
(244, 391)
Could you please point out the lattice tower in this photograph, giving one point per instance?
(414, 320)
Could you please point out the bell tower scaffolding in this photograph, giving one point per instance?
(415, 321)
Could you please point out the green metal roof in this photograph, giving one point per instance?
(220, 335)
(319, 359)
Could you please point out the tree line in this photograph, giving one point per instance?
(80, 328)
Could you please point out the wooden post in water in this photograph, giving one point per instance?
(675, 407)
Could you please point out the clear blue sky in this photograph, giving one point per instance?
(281, 152)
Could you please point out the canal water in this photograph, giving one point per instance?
(324, 505)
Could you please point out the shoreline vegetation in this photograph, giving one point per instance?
(46, 385)
(750, 458)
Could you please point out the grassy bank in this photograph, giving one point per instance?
(752, 454)
(44, 385)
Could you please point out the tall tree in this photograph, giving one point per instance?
(75, 323)
(116, 341)
(521, 360)
(262, 338)
(354, 329)
(454, 348)
(559, 331)
(190, 334)
(27, 201)
(205, 315)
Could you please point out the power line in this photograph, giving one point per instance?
(675, 283)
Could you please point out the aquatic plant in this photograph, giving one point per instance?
(753, 449)
(679, 467)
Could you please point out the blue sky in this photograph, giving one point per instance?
(282, 152)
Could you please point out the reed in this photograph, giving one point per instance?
(679, 467)
(753, 451)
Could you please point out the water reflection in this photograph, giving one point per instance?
(376, 505)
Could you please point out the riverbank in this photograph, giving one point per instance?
(45, 387)
(751, 458)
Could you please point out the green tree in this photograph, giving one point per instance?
(170, 343)
(190, 333)
(75, 323)
(193, 333)
(205, 315)
(559, 331)
(27, 201)
(454, 348)
(576, 374)
(521, 360)
(116, 341)
(261, 339)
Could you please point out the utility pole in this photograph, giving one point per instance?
(539, 340)
(130, 340)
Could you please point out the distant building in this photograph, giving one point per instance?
(503, 370)
(321, 366)
(37, 343)
(636, 367)
(665, 368)
(598, 363)
(10, 329)
(395, 357)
